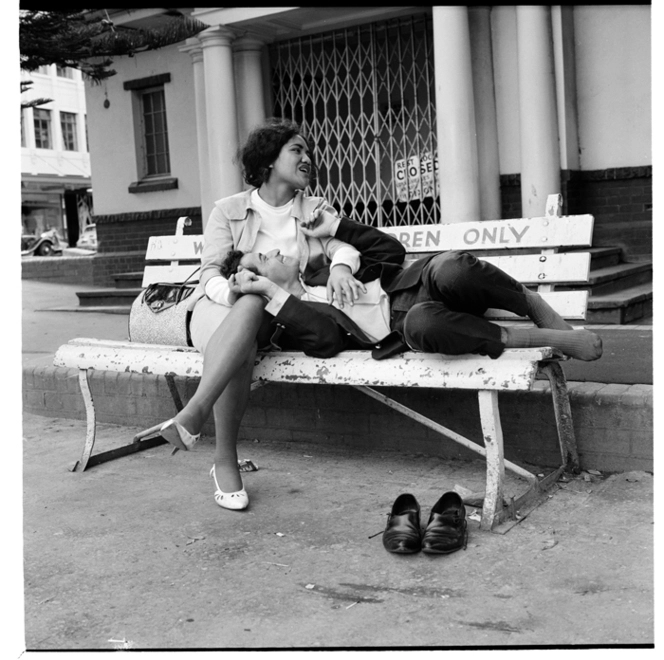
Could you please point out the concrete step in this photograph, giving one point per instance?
(108, 297)
(619, 277)
(128, 280)
(621, 307)
(601, 257)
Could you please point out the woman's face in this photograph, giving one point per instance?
(293, 165)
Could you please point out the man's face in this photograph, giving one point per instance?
(278, 268)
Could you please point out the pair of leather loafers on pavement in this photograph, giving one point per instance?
(445, 532)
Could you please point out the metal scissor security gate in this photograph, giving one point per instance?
(366, 97)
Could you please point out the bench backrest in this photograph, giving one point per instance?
(533, 245)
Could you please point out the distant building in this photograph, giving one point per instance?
(418, 114)
(55, 163)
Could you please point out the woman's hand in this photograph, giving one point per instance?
(341, 284)
(320, 224)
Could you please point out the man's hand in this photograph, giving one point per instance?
(234, 291)
(320, 224)
(341, 284)
(249, 282)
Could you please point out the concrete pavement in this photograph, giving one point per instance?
(136, 554)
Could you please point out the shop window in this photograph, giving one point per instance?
(42, 121)
(69, 130)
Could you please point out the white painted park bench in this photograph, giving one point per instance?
(515, 370)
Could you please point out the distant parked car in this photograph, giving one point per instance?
(44, 245)
(88, 239)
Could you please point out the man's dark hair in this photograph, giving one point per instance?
(263, 146)
(231, 262)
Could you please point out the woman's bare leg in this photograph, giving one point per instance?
(225, 355)
(228, 411)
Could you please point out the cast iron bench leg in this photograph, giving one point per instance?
(563, 412)
(91, 432)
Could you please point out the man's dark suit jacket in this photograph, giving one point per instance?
(321, 330)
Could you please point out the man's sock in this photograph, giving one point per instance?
(542, 314)
(579, 344)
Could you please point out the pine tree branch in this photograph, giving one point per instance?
(73, 39)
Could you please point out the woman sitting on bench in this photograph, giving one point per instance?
(228, 328)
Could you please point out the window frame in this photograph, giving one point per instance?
(155, 150)
(48, 119)
(149, 179)
(73, 127)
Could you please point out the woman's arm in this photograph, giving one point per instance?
(375, 245)
(217, 241)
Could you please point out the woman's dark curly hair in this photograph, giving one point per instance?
(263, 146)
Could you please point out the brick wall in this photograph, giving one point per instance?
(122, 242)
(621, 201)
(613, 423)
(67, 270)
(123, 239)
(619, 198)
(125, 232)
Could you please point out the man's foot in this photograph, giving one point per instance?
(580, 344)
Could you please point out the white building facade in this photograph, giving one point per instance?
(55, 160)
(418, 115)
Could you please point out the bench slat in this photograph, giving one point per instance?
(569, 304)
(545, 232)
(527, 268)
(164, 273)
(173, 248)
(564, 267)
(514, 370)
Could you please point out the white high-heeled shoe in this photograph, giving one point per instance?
(174, 433)
(236, 501)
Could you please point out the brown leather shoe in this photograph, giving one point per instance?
(402, 534)
(446, 530)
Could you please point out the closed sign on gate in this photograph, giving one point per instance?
(416, 177)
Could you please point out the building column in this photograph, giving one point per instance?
(194, 49)
(565, 71)
(479, 21)
(221, 114)
(249, 85)
(458, 176)
(540, 149)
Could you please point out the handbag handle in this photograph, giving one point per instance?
(180, 292)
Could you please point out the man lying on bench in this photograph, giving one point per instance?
(435, 304)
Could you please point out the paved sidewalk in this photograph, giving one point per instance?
(136, 550)
(44, 331)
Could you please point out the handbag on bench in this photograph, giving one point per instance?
(159, 314)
